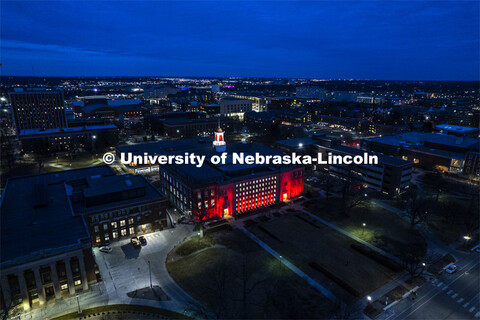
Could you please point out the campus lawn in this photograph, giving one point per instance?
(217, 276)
(304, 243)
(383, 229)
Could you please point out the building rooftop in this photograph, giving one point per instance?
(419, 138)
(382, 159)
(37, 219)
(453, 128)
(203, 146)
(295, 143)
(31, 132)
(102, 193)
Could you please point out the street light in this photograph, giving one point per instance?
(369, 299)
(466, 240)
(78, 304)
(364, 225)
(150, 272)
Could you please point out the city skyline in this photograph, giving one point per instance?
(326, 40)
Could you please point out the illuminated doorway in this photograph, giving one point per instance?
(285, 197)
(144, 228)
(226, 213)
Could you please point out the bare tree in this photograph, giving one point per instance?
(417, 206)
(249, 281)
(414, 260)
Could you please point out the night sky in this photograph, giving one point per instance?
(385, 40)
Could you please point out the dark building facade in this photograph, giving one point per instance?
(49, 222)
(38, 110)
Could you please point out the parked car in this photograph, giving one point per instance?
(143, 241)
(135, 242)
(451, 268)
(106, 249)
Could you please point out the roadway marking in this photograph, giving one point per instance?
(450, 292)
(460, 300)
(444, 288)
(466, 304)
(471, 309)
(434, 280)
(455, 295)
(439, 284)
(477, 314)
(474, 263)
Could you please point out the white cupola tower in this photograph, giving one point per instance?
(219, 142)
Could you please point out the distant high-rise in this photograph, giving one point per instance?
(38, 110)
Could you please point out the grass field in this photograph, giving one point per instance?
(237, 278)
(303, 243)
(383, 229)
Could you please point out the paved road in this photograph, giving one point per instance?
(450, 296)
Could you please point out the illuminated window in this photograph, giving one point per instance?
(122, 223)
(114, 224)
(64, 287)
(78, 282)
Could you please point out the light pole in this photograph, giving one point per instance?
(78, 304)
(150, 272)
(363, 229)
(466, 240)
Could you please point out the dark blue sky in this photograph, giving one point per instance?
(418, 40)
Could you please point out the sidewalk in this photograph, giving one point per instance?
(352, 236)
(291, 266)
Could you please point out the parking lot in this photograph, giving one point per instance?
(126, 269)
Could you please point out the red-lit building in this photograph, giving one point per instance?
(220, 190)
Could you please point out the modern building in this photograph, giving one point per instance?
(234, 107)
(38, 109)
(259, 103)
(428, 150)
(125, 110)
(66, 139)
(390, 176)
